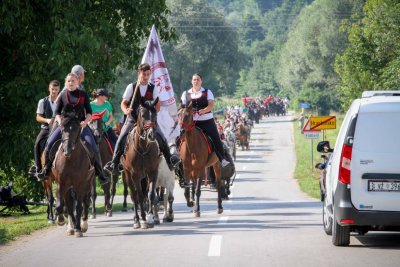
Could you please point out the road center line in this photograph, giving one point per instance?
(215, 246)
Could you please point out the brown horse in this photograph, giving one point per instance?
(74, 176)
(140, 162)
(105, 148)
(243, 135)
(196, 158)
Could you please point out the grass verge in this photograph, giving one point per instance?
(17, 225)
(305, 173)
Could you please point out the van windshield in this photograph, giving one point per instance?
(378, 132)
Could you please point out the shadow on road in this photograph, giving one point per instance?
(379, 240)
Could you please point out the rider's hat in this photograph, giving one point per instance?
(102, 91)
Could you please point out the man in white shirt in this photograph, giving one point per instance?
(147, 92)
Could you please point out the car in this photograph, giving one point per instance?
(362, 187)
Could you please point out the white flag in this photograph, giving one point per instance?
(167, 118)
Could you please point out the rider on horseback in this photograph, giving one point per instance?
(73, 102)
(203, 103)
(44, 114)
(147, 92)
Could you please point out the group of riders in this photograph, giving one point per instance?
(73, 102)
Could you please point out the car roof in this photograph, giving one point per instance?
(381, 103)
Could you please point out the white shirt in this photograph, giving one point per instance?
(195, 95)
(129, 91)
(40, 108)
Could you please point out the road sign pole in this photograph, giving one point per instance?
(312, 154)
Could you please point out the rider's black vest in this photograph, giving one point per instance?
(136, 102)
(201, 102)
(48, 112)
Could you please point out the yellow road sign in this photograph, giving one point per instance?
(322, 123)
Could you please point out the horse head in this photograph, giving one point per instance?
(71, 131)
(96, 125)
(147, 118)
(185, 115)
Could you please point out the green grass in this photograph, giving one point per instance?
(305, 173)
(17, 225)
(120, 187)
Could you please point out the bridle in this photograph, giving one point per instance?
(191, 125)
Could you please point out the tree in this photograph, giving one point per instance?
(372, 59)
(314, 41)
(206, 44)
(42, 40)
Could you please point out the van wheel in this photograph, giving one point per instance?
(340, 234)
(326, 219)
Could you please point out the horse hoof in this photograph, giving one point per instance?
(84, 226)
(109, 214)
(136, 225)
(190, 204)
(78, 234)
(93, 216)
(168, 219)
(144, 226)
(51, 222)
(60, 221)
(196, 214)
(220, 211)
(70, 231)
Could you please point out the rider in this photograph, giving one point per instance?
(147, 92)
(44, 114)
(99, 104)
(73, 100)
(203, 103)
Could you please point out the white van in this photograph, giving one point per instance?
(363, 173)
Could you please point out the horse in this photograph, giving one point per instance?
(230, 138)
(196, 158)
(242, 135)
(74, 176)
(106, 153)
(141, 161)
(165, 184)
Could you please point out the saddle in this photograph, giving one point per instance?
(210, 144)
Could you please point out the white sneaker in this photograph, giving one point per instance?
(224, 163)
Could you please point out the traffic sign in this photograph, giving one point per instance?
(306, 127)
(322, 123)
(311, 135)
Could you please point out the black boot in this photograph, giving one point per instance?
(172, 160)
(43, 174)
(114, 167)
(99, 169)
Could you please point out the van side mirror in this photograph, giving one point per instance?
(324, 147)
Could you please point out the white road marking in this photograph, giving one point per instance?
(223, 220)
(244, 167)
(215, 246)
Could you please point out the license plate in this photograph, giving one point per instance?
(384, 186)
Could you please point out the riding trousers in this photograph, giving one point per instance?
(43, 134)
(210, 129)
(86, 135)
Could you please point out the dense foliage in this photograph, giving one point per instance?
(42, 40)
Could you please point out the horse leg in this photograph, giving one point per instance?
(79, 208)
(168, 211)
(94, 196)
(86, 204)
(107, 196)
(50, 201)
(196, 210)
(113, 190)
(124, 205)
(69, 203)
(189, 202)
(152, 201)
(60, 205)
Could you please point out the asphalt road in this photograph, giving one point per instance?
(268, 221)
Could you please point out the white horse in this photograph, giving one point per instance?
(230, 138)
(165, 180)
